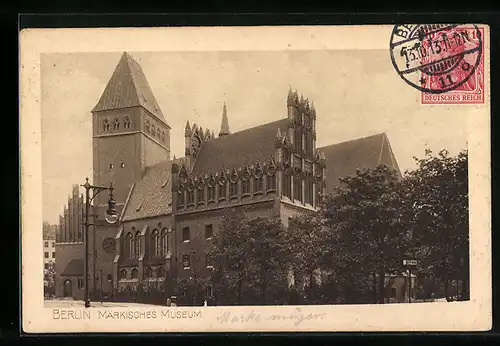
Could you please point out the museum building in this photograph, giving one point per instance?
(171, 207)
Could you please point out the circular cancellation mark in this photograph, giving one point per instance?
(436, 58)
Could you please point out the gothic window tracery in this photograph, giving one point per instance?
(138, 246)
(116, 124)
(158, 133)
(155, 237)
(153, 130)
(126, 123)
(135, 273)
(130, 245)
(106, 124)
(211, 190)
(190, 194)
(164, 242)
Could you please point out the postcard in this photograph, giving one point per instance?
(256, 179)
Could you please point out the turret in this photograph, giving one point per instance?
(224, 127)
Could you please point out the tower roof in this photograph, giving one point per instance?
(224, 127)
(128, 87)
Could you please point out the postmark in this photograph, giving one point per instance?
(438, 59)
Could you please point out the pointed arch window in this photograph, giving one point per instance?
(130, 245)
(153, 130)
(163, 136)
(271, 182)
(126, 123)
(116, 124)
(287, 184)
(135, 273)
(190, 194)
(105, 124)
(123, 274)
(297, 187)
(158, 132)
(148, 273)
(211, 190)
(146, 125)
(164, 242)
(155, 242)
(138, 246)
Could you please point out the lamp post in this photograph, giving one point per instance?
(111, 217)
(409, 263)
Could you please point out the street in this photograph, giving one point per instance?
(64, 303)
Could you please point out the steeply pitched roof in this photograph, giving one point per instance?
(152, 195)
(343, 159)
(249, 146)
(128, 87)
(74, 268)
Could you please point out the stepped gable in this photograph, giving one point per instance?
(343, 159)
(129, 87)
(249, 146)
(152, 195)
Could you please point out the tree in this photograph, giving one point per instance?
(438, 191)
(249, 260)
(228, 257)
(267, 251)
(306, 241)
(367, 237)
(49, 276)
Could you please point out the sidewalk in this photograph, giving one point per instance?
(56, 303)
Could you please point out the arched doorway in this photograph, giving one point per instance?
(68, 288)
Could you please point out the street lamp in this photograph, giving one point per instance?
(111, 217)
(409, 263)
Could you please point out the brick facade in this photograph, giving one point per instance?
(169, 207)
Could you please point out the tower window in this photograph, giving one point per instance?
(153, 130)
(158, 132)
(146, 125)
(163, 136)
(116, 124)
(122, 165)
(106, 125)
(127, 123)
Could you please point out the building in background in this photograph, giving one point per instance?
(170, 208)
(49, 241)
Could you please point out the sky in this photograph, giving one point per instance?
(356, 93)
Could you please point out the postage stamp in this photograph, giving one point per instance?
(445, 62)
(255, 179)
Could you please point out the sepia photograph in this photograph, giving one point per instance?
(257, 185)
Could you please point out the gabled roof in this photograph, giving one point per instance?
(128, 87)
(249, 146)
(152, 195)
(74, 268)
(343, 159)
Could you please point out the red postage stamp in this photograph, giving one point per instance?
(444, 61)
(471, 92)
